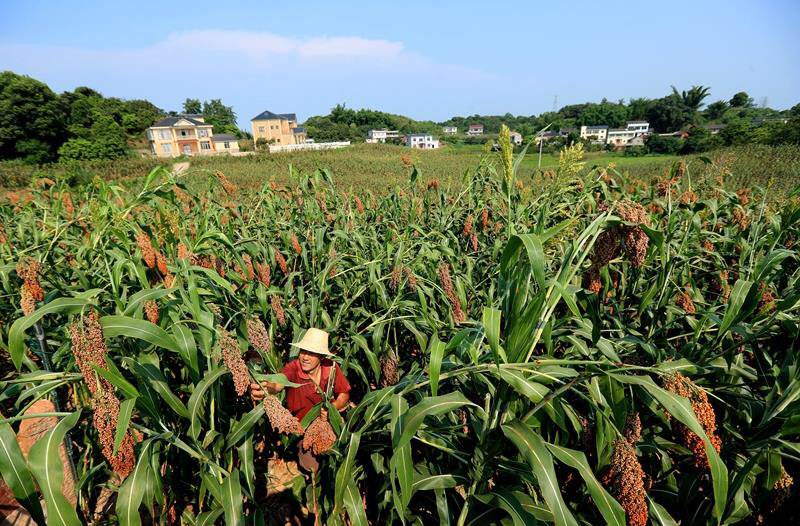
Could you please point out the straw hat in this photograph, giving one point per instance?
(314, 340)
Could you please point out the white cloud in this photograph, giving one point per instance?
(249, 68)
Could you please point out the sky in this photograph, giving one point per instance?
(424, 59)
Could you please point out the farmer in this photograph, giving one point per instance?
(312, 370)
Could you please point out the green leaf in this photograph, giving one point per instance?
(436, 353)
(354, 505)
(508, 501)
(435, 405)
(125, 411)
(232, 499)
(141, 329)
(15, 472)
(681, 410)
(187, 347)
(243, 426)
(155, 378)
(659, 515)
(209, 518)
(534, 391)
(16, 334)
(143, 296)
(612, 512)
(735, 302)
(196, 400)
(132, 490)
(534, 450)
(44, 460)
(245, 451)
(491, 326)
(345, 473)
(534, 250)
(115, 378)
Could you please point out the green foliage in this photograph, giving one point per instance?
(511, 416)
(741, 100)
(107, 141)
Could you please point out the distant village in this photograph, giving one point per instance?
(189, 134)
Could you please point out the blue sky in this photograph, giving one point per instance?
(427, 60)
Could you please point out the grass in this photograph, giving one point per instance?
(378, 168)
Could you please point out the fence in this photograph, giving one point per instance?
(275, 148)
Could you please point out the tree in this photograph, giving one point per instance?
(716, 110)
(741, 100)
(222, 117)
(657, 144)
(31, 119)
(106, 140)
(637, 108)
(669, 114)
(192, 106)
(692, 99)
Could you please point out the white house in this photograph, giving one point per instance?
(225, 143)
(422, 141)
(597, 134)
(621, 137)
(475, 129)
(449, 130)
(516, 138)
(374, 136)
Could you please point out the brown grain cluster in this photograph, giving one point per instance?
(433, 184)
(449, 291)
(264, 274)
(277, 309)
(740, 218)
(146, 246)
(485, 219)
(319, 436)
(688, 197)
(228, 186)
(635, 240)
(281, 261)
(89, 350)
(280, 418)
(359, 204)
(66, 202)
(184, 253)
(684, 301)
(258, 335)
(767, 300)
(151, 311)
(396, 276)
(232, 357)
(296, 245)
(248, 265)
(683, 386)
(744, 196)
(625, 477)
(28, 269)
(411, 280)
(389, 375)
(781, 491)
(467, 230)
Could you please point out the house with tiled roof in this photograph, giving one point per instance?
(277, 128)
(181, 135)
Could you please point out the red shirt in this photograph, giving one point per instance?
(301, 399)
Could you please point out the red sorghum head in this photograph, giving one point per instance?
(467, 230)
(151, 311)
(625, 479)
(280, 418)
(389, 375)
(319, 436)
(232, 357)
(277, 309)
(281, 261)
(146, 246)
(683, 386)
(264, 274)
(684, 301)
(257, 335)
(296, 245)
(447, 286)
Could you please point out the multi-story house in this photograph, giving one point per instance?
(449, 130)
(475, 129)
(374, 136)
(277, 128)
(421, 141)
(594, 133)
(621, 137)
(181, 135)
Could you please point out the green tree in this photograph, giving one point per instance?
(31, 119)
(692, 99)
(741, 100)
(668, 114)
(106, 140)
(656, 143)
(716, 110)
(192, 106)
(222, 117)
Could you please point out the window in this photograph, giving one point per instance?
(202, 133)
(205, 145)
(226, 145)
(165, 134)
(150, 134)
(184, 133)
(166, 148)
(261, 129)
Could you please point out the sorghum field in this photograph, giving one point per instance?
(585, 348)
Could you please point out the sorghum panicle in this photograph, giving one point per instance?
(248, 263)
(229, 187)
(411, 280)
(703, 410)
(232, 357)
(389, 375)
(280, 418)
(467, 226)
(684, 301)
(359, 204)
(447, 285)
(151, 311)
(625, 479)
(277, 309)
(319, 436)
(296, 245)
(264, 274)
(281, 261)
(146, 246)
(258, 335)
(397, 274)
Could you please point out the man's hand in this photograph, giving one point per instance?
(259, 391)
